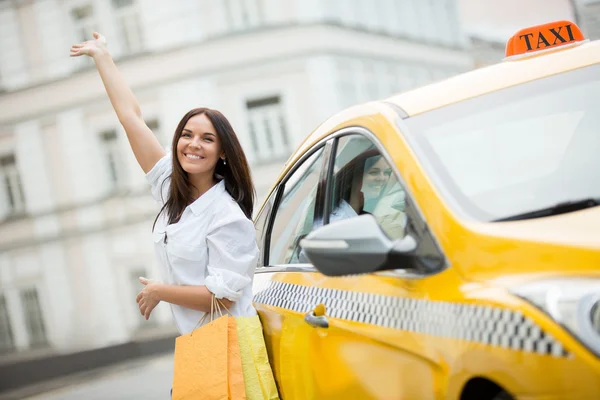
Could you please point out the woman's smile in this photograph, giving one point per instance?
(193, 157)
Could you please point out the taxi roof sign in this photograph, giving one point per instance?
(543, 37)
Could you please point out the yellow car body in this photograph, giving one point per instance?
(400, 335)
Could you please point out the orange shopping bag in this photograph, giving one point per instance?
(208, 365)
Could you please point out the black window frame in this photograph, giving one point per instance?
(276, 196)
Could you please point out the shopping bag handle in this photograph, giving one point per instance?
(219, 303)
(215, 305)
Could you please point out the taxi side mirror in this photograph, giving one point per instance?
(357, 246)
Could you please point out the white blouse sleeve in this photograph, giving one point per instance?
(232, 257)
(159, 178)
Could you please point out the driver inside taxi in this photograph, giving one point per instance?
(358, 189)
(365, 189)
(369, 187)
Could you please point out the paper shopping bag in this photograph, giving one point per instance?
(208, 363)
(235, 375)
(258, 375)
(200, 370)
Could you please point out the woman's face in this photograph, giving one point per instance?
(375, 178)
(199, 146)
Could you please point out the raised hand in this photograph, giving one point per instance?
(90, 48)
(145, 146)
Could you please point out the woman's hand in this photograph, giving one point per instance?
(147, 299)
(90, 48)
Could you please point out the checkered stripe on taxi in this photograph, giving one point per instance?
(489, 325)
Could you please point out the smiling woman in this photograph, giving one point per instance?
(204, 238)
(203, 143)
(198, 146)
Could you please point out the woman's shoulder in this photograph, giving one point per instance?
(227, 209)
(231, 221)
(162, 166)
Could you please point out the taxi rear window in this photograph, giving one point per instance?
(516, 150)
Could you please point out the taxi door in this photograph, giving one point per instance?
(343, 337)
(290, 207)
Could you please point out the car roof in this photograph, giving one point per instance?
(495, 77)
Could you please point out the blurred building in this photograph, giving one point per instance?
(489, 49)
(486, 50)
(587, 13)
(75, 211)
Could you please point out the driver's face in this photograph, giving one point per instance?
(375, 178)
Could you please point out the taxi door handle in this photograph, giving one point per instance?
(317, 317)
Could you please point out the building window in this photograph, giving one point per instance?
(243, 14)
(33, 318)
(6, 336)
(446, 21)
(371, 76)
(429, 20)
(85, 25)
(154, 126)
(112, 155)
(588, 18)
(268, 129)
(11, 182)
(128, 20)
(347, 84)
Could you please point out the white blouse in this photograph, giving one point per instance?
(213, 244)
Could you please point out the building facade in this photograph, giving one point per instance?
(587, 14)
(75, 210)
(486, 50)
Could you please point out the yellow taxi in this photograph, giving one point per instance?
(444, 243)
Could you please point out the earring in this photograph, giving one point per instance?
(224, 162)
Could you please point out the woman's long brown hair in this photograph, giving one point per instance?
(235, 174)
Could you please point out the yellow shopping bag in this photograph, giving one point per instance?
(237, 387)
(208, 364)
(258, 375)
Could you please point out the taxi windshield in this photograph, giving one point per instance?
(518, 150)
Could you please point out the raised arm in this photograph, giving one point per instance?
(145, 146)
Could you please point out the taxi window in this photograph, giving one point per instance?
(518, 150)
(295, 213)
(364, 183)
